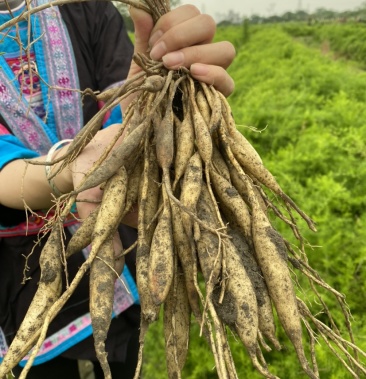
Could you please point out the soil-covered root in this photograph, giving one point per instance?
(184, 137)
(203, 138)
(176, 320)
(122, 153)
(190, 191)
(102, 278)
(161, 262)
(271, 254)
(266, 322)
(148, 203)
(232, 205)
(208, 247)
(83, 236)
(187, 259)
(238, 308)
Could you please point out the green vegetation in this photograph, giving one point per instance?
(345, 41)
(309, 112)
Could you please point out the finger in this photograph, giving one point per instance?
(87, 201)
(194, 31)
(171, 19)
(143, 25)
(131, 218)
(206, 54)
(213, 75)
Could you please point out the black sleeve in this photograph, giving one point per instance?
(112, 48)
(102, 47)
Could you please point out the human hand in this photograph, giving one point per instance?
(183, 37)
(89, 199)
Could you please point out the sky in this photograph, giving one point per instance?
(269, 7)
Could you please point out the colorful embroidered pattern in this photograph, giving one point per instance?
(18, 114)
(61, 73)
(26, 73)
(57, 67)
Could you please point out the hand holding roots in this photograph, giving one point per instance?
(203, 215)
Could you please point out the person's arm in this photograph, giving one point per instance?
(22, 182)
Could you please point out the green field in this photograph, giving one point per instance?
(300, 98)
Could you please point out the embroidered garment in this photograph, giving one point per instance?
(22, 63)
(99, 53)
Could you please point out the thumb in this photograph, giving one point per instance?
(143, 24)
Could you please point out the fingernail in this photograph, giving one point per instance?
(155, 37)
(158, 51)
(199, 69)
(174, 60)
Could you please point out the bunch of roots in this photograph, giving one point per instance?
(206, 247)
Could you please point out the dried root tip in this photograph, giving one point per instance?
(263, 342)
(263, 370)
(102, 359)
(292, 204)
(176, 325)
(144, 326)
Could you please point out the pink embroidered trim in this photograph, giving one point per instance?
(34, 224)
(4, 131)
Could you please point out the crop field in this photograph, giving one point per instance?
(300, 98)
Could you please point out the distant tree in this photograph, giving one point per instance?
(288, 16)
(229, 18)
(361, 11)
(256, 19)
(325, 14)
(273, 19)
(301, 15)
